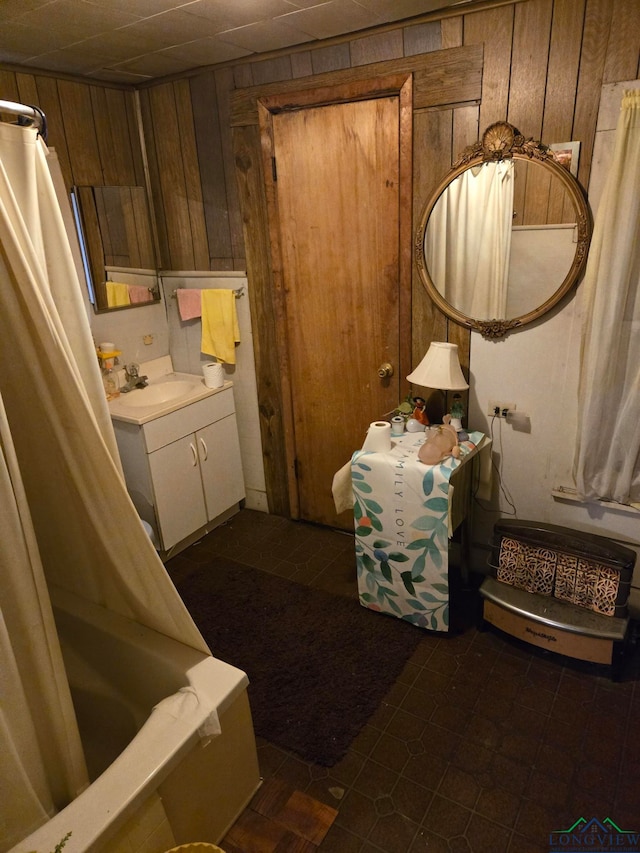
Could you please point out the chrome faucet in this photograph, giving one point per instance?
(134, 380)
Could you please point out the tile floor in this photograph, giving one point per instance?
(483, 745)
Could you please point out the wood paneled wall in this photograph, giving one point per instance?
(432, 80)
(544, 63)
(93, 128)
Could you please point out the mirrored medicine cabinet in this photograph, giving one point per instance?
(117, 245)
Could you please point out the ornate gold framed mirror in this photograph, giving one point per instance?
(505, 235)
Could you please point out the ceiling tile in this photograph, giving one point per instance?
(331, 19)
(396, 10)
(29, 40)
(126, 42)
(307, 4)
(15, 8)
(116, 46)
(70, 61)
(153, 65)
(228, 16)
(206, 51)
(75, 20)
(265, 36)
(123, 31)
(167, 29)
(112, 75)
(139, 8)
(14, 57)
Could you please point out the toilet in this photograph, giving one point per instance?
(149, 531)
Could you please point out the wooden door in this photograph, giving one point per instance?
(337, 193)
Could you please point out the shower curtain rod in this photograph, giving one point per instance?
(27, 115)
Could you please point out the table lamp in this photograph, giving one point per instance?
(440, 369)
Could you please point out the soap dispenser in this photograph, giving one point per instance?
(110, 379)
(108, 356)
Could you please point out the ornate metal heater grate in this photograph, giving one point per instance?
(580, 579)
(574, 584)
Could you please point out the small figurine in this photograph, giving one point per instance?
(457, 412)
(441, 443)
(420, 411)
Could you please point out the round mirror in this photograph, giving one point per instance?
(505, 235)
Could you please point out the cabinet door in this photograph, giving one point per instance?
(221, 466)
(177, 486)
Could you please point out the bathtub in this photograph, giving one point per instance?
(163, 772)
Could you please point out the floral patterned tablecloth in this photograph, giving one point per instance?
(402, 529)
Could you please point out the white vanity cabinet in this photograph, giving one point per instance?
(186, 464)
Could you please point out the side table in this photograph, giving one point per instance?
(405, 512)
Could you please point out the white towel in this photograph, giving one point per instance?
(342, 489)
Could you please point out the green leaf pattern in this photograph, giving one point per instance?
(400, 511)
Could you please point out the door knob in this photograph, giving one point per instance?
(385, 370)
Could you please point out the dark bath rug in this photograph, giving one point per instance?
(318, 664)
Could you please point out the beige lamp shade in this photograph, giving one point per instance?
(440, 368)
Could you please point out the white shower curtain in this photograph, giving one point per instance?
(468, 240)
(41, 760)
(607, 460)
(67, 519)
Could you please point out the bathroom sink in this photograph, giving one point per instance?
(159, 392)
(167, 392)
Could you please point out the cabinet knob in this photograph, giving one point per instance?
(385, 370)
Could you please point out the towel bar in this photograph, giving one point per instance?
(238, 292)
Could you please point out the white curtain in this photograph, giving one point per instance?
(42, 764)
(607, 461)
(66, 519)
(468, 240)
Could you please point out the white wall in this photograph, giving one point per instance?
(537, 368)
(128, 328)
(184, 346)
(169, 335)
(541, 255)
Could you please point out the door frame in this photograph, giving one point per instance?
(396, 85)
(447, 89)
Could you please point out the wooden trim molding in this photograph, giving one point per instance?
(443, 77)
(440, 79)
(398, 85)
(454, 12)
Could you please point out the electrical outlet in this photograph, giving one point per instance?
(147, 340)
(498, 409)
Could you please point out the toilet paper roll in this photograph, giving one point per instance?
(213, 373)
(378, 438)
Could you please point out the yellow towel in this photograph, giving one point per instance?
(117, 294)
(220, 331)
